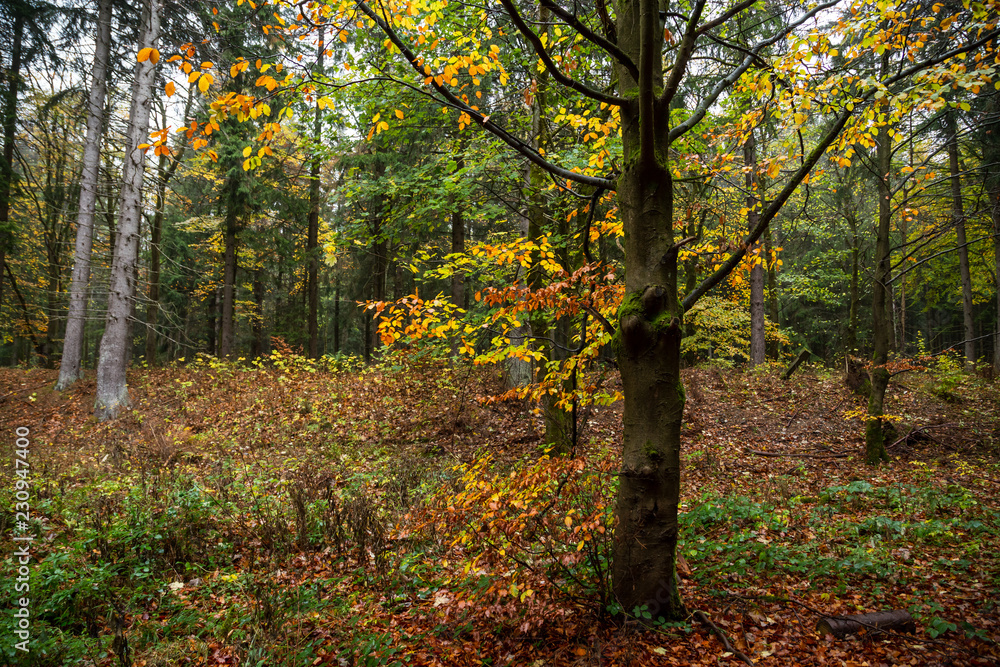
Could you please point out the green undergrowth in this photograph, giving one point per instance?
(858, 537)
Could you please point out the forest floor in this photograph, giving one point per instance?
(295, 515)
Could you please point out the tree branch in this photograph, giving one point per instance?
(679, 67)
(581, 27)
(769, 213)
(536, 44)
(481, 119)
(730, 79)
(725, 16)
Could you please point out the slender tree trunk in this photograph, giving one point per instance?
(458, 246)
(258, 318)
(958, 219)
(758, 350)
(70, 369)
(336, 314)
(9, 134)
(772, 291)
(518, 370)
(112, 392)
(996, 272)
(164, 174)
(875, 450)
(852, 314)
(212, 308)
(312, 243)
(229, 278)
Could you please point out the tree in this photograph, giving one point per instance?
(70, 368)
(112, 390)
(958, 220)
(641, 89)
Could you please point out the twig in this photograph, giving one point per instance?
(705, 620)
(918, 430)
(838, 455)
(6, 396)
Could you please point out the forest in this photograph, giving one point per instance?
(527, 332)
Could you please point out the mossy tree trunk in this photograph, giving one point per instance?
(649, 334)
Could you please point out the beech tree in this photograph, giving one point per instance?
(652, 49)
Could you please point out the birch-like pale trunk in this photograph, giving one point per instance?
(70, 368)
(112, 391)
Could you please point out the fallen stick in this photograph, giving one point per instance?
(839, 455)
(919, 430)
(704, 619)
(841, 626)
(803, 355)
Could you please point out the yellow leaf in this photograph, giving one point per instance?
(194, 77)
(246, 152)
(143, 147)
(170, 89)
(205, 81)
(150, 54)
(246, 165)
(399, 114)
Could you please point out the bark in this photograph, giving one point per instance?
(841, 626)
(70, 368)
(995, 196)
(212, 308)
(758, 349)
(458, 246)
(229, 274)
(772, 292)
(649, 336)
(312, 243)
(9, 133)
(112, 392)
(257, 322)
(336, 314)
(518, 370)
(163, 176)
(875, 450)
(958, 219)
(851, 342)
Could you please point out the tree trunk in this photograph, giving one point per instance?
(758, 349)
(112, 392)
(212, 308)
(841, 626)
(229, 276)
(312, 243)
(163, 176)
(875, 451)
(772, 291)
(9, 134)
(649, 335)
(995, 196)
(457, 247)
(70, 369)
(257, 322)
(336, 314)
(958, 219)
